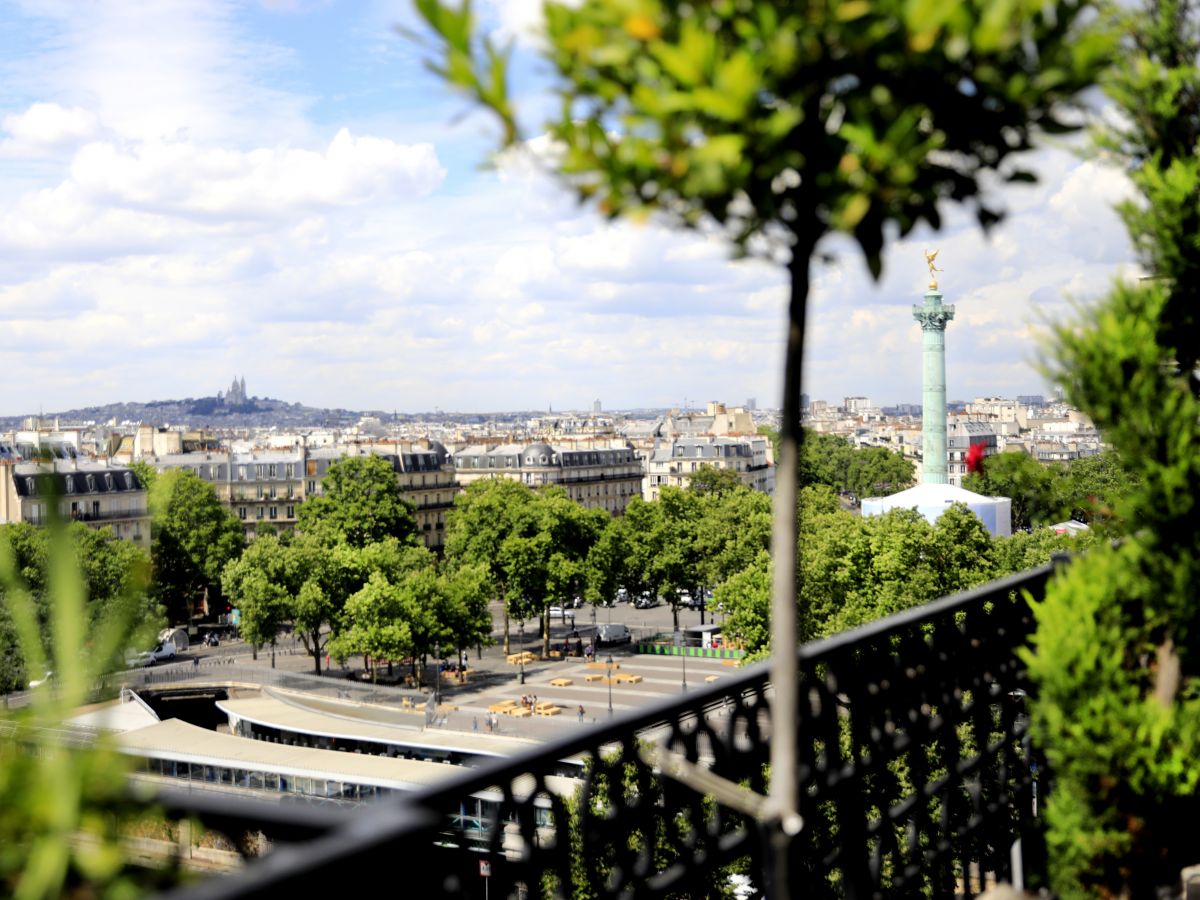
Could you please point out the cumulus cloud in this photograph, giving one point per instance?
(45, 128)
(269, 182)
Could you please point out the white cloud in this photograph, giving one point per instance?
(182, 178)
(47, 127)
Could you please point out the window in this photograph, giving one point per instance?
(312, 487)
(259, 491)
(70, 482)
(258, 513)
(108, 480)
(241, 473)
(91, 482)
(290, 470)
(274, 512)
(271, 471)
(129, 480)
(271, 492)
(242, 513)
(291, 512)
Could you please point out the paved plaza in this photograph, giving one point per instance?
(567, 683)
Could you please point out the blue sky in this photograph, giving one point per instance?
(194, 190)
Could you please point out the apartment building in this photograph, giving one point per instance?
(597, 474)
(960, 437)
(95, 493)
(673, 461)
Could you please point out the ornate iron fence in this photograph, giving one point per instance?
(916, 774)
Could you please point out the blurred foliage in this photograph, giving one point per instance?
(114, 575)
(75, 601)
(1117, 650)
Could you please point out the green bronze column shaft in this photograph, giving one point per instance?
(933, 316)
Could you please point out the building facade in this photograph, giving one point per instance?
(94, 493)
(596, 474)
(674, 461)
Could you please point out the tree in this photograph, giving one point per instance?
(1116, 658)
(709, 479)
(193, 538)
(1035, 490)
(1097, 487)
(361, 503)
(782, 123)
(877, 472)
(261, 585)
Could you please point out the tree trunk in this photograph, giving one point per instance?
(545, 619)
(507, 647)
(785, 630)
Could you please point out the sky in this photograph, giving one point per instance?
(279, 190)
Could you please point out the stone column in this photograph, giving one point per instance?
(933, 316)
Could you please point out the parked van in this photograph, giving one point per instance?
(611, 633)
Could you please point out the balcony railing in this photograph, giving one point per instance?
(915, 771)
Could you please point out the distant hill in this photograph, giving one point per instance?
(210, 412)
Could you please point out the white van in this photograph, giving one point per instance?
(611, 633)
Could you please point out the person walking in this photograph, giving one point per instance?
(581, 713)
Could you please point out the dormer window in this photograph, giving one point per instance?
(91, 483)
(129, 481)
(70, 482)
(108, 481)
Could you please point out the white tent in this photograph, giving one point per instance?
(931, 500)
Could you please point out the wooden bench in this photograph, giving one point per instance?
(627, 679)
(518, 712)
(729, 662)
(518, 658)
(504, 706)
(548, 709)
(595, 677)
(556, 654)
(560, 682)
(600, 665)
(711, 678)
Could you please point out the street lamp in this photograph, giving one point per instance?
(437, 674)
(521, 652)
(609, 662)
(683, 662)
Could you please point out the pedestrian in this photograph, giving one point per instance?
(475, 723)
(581, 712)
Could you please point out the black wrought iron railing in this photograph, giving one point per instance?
(916, 774)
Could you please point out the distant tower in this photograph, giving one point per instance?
(596, 407)
(933, 316)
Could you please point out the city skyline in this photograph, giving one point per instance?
(280, 189)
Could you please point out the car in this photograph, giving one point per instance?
(646, 601)
(562, 613)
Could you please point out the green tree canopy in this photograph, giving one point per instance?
(1035, 490)
(193, 538)
(360, 502)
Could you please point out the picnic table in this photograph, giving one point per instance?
(600, 665)
(560, 682)
(548, 709)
